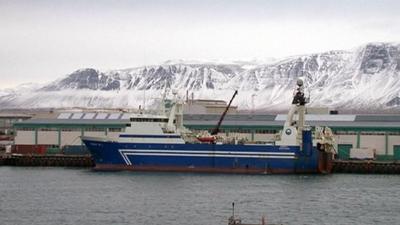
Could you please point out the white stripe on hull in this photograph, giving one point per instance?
(206, 152)
(127, 161)
(213, 155)
(262, 155)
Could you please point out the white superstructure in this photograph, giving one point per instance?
(151, 129)
(292, 129)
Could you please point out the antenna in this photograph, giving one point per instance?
(175, 93)
(233, 210)
(252, 102)
(144, 99)
(164, 96)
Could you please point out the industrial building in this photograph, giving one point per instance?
(379, 132)
(8, 119)
(203, 106)
(6, 127)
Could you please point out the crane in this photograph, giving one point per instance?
(216, 129)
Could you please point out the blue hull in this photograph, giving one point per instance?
(205, 157)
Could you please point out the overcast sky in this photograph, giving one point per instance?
(44, 40)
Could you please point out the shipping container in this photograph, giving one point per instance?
(396, 152)
(362, 153)
(344, 151)
(384, 157)
(53, 151)
(6, 138)
(30, 149)
(8, 149)
(75, 150)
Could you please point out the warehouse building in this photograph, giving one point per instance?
(8, 119)
(6, 127)
(379, 132)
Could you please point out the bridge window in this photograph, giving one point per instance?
(148, 120)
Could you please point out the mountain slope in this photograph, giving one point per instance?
(365, 79)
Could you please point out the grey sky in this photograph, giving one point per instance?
(44, 40)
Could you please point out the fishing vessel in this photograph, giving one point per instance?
(162, 143)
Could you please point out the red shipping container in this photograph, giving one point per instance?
(29, 149)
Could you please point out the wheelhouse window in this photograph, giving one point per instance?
(114, 129)
(160, 120)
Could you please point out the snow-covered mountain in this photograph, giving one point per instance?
(364, 79)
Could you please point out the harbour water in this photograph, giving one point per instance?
(47, 196)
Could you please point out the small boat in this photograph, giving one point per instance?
(234, 220)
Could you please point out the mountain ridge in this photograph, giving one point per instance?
(363, 79)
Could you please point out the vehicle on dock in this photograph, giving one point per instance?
(162, 143)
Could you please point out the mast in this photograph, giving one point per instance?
(293, 129)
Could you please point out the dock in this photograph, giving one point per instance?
(366, 167)
(47, 160)
(60, 160)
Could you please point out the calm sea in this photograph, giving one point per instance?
(56, 196)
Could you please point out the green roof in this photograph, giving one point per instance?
(252, 122)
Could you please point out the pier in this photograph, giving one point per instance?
(366, 167)
(339, 166)
(47, 160)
